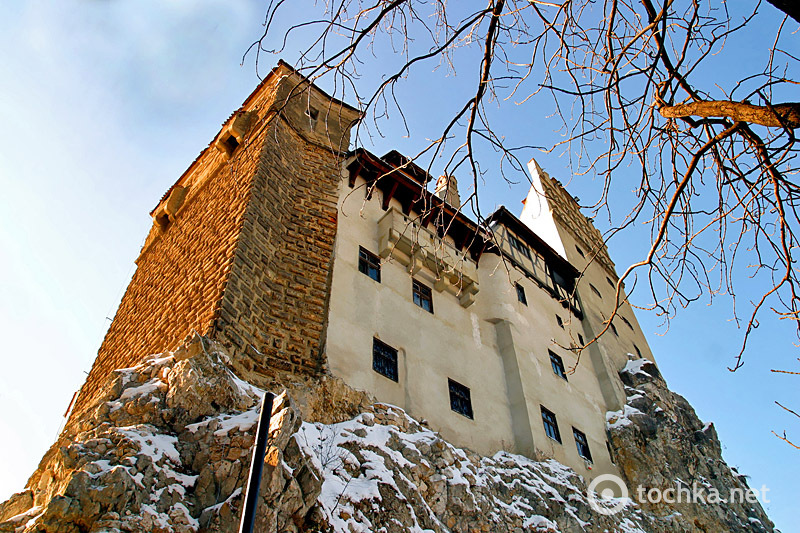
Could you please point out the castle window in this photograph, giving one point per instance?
(627, 322)
(580, 338)
(565, 283)
(312, 115)
(369, 264)
(460, 401)
(594, 290)
(521, 294)
(613, 285)
(582, 444)
(558, 365)
(384, 359)
(580, 252)
(638, 351)
(550, 424)
(560, 322)
(614, 329)
(422, 296)
(518, 245)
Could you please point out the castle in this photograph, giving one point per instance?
(304, 258)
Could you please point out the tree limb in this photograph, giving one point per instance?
(776, 116)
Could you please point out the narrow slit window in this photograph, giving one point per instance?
(369, 264)
(613, 285)
(610, 453)
(422, 296)
(384, 359)
(550, 424)
(614, 329)
(638, 351)
(460, 400)
(558, 366)
(582, 444)
(580, 338)
(594, 290)
(627, 322)
(560, 322)
(521, 294)
(580, 252)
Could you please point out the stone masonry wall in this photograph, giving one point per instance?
(274, 309)
(181, 274)
(252, 275)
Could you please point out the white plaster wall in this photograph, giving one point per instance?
(453, 343)
(460, 344)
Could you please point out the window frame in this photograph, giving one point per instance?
(388, 354)
(517, 244)
(460, 399)
(557, 364)
(550, 424)
(521, 297)
(369, 262)
(420, 294)
(582, 441)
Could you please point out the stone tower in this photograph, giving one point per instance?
(241, 245)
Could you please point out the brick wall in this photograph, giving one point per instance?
(246, 258)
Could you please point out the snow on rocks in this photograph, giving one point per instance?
(167, 449)
(383, 471)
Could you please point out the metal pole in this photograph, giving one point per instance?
(256, 467)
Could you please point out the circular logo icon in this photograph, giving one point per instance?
(602, 494)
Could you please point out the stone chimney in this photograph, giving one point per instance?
(447, 190)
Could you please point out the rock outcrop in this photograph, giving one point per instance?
(167, 448)
(659, 444)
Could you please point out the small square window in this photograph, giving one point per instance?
(594, 290)
(582, 444)
(369, 264)
(519, 246)
(560, 322)
(422, 296)
(384, 359)
(558, 365)
(521, 294)
(550, 425)
(460, 401)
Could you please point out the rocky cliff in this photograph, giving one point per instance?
(166, 448)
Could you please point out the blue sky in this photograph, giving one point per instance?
(104, 104)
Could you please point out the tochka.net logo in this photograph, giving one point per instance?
(608, 494)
